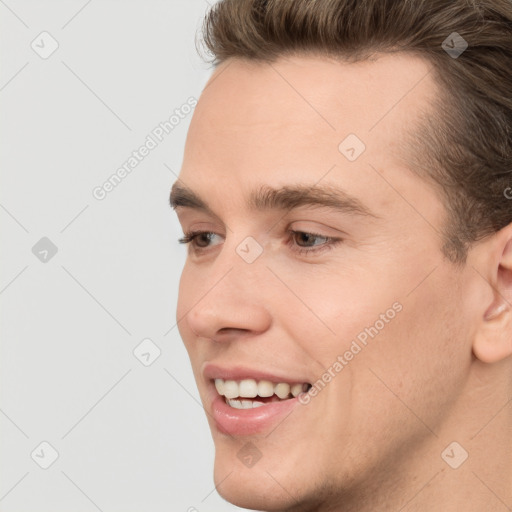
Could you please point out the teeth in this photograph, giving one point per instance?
(265, 388)
(219, 386)
(297, 389)
(250, 388)
(244, 404)
(282, 390)
(230, 389)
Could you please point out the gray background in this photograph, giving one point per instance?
(129, 437)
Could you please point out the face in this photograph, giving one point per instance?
(315, 263)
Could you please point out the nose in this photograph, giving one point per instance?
(231, 303)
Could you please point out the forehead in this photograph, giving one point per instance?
(271, 123)
(317, 94)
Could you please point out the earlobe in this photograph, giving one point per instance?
(493, 341)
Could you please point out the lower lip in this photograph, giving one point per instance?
(239, 422)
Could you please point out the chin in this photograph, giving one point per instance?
(251, 489)
(269, 485)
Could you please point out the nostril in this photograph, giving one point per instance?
(229, 334)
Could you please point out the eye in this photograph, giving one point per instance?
(304, 242)
(309, 239)
(198, 239)
(301, 242)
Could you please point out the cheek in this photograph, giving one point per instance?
(422, 357)
(399, 342)
(405, 378)
(186, 300)
(328, 310)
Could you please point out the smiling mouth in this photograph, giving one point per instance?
(251, 393)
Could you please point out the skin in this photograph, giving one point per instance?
(440, 371)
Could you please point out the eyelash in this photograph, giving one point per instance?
(330, 242)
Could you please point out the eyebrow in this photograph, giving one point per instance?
(287, 197)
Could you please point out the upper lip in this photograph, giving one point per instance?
(214, 371)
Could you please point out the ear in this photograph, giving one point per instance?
(493, 340)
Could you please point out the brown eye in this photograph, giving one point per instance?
(203, 239)
(198, 239)
(311, 244)
(308, 239)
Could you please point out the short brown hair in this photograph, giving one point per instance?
(466, 141)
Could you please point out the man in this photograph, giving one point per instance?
(347, 297)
